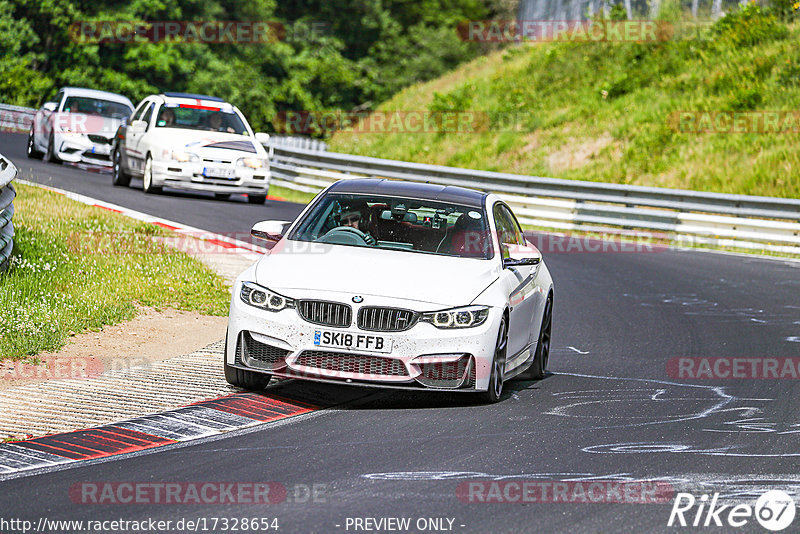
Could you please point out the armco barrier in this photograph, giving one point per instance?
(16, 118)
(7, 193)
(691, 217)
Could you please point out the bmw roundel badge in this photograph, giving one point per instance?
(358, 299)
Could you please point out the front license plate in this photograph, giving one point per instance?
(215, 172)
(347, 340)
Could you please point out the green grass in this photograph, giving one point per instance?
(290, 195)
(77, 268)
(601, 111)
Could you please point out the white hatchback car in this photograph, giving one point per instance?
(393, 284)
(192, 142)
(78, 126)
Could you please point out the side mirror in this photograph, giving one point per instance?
(269, 230)
(50, 106)
(262, 138)
(519, 255)
(138, 126)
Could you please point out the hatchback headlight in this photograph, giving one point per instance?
(183, 157)
(465, 317)
(261, 297)
(253, 163)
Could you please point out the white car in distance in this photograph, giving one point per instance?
(194, 143)
(78, 126)
(393, 284)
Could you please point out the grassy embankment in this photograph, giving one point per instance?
(77, 268)
(601, 111)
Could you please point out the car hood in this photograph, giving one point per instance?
(212, 145)
(87, 123)
(445, 281)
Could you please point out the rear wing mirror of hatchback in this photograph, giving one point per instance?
(519, 255)
(50, 106)
(270, 230)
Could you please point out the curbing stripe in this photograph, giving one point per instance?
(202, 419)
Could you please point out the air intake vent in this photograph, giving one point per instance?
(351, 363)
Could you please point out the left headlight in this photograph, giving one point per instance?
(465, 317)
(183, 157)
(266, 299)
(253, 163)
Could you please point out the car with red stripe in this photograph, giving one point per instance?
(191, 142)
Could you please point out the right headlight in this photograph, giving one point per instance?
(465, 317)
(266, 299)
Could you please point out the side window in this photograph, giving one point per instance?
(137, 115)
(148, 116)
(508, 231)
(57, 99)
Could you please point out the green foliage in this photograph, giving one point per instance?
(749, 26)
(335, 54)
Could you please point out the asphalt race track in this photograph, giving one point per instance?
(613, 408)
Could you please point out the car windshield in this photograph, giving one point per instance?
(200, 118)
(398, 224)
(95, 106)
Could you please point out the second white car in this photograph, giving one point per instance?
(194, 143)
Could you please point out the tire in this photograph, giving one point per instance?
(222, 196)
(118, 176)
(495, 389)
(147, 177)
(50, 155)
(33, 153)
(256, 199)
(242, 378)
(538, 368)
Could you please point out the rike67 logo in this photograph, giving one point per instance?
(774, 510)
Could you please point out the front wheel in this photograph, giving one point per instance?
(256, 199)
(538, 368)
(118, 176)
(32, 151)
(50, 154)
(222, 196)
(495, 390)
(147, 178)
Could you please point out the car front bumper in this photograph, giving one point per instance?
(80, 149)
(191, 176)
(424, 357)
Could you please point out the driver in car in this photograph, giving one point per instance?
(356, 216)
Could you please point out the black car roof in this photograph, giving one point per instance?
(396, 188)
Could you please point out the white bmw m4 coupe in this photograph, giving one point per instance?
(393, 284)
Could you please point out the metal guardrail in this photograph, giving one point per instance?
(305, 143)
(695, 217)
(16, 118)
(7, 193)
